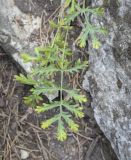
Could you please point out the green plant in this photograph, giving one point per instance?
(88, 29)
(51, 60)
(55, 59)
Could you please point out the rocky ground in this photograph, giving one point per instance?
(20, 134)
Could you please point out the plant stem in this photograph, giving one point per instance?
(61, 90)
(62, 73)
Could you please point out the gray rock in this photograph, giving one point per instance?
(16, 29)
(20, 26)
(109, 76)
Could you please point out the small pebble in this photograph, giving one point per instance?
(24, 154)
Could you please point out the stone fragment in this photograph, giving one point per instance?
(24, 154)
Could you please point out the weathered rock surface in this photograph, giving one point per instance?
(20, 25)
(109, 76)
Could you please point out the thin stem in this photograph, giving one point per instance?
(61, 90)
(55, 36)
(62, 73)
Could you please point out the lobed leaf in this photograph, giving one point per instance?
(45, 124)
(32, 100)
(74, 109)
(25, 80)
(61, 132)
(76, 95)
(77, 67)
(72, 125)
(45, 89)
(46, 107)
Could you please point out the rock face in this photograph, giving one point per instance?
(109, 76)
(22, 25)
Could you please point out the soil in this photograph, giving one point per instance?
(20, 134)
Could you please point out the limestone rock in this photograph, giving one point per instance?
(109, 76)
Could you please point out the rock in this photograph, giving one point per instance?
(20, 25)
(24, 154)
(16, 29)
(109, 77)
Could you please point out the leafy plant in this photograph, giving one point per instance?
(51, 60)
(54, 59)
(88, 29)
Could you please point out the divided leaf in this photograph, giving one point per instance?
(46, 107)
(25, 80)
(32, 100)
(45, 124)
(61, 131)
(76, 95)
(45, 89)
(77, 67)
(73, 108)
(72, 125)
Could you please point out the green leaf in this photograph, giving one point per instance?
(96, 43)
(61, 132)
(27, 57)
(59, 40)
(32, 100)
(99, 11)
(46, 71)
(25, 80)
(77, 67)
(72, 125)
(83, 37)
(72, 8)
(53, 24)
(76, 95)
(45, 124)
(46, 107)
(71, 17)
(74, 109)
(46, 89)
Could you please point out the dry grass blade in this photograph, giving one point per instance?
(91, 148)
(79, 145)
(83, 136)
(41, 146)
(10, 144)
